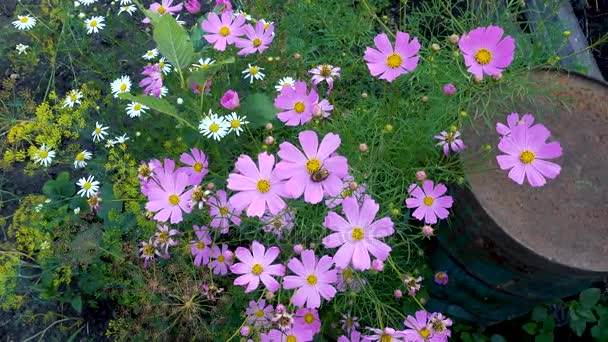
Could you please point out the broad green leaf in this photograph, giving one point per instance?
(590, 297)
(548, 324)
(600, 331)
(76, 303)
(109, 203)
(172, 40)
(201, 75)
(578, 326)
(60, 187)
(586, 313)
(539, 314)
(196, 35)
(259, 109)
(544, 337)
(530, 328)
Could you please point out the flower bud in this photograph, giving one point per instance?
(364, 95)
(245, 331)
(268, 126)
(388, 128)
(398, 294)
(435, 47)
(180, 101)
(463, 114)
(420, 175)
(297, 56)
(353, 186)
(478, 79)
(312, 245)
(378, 265)
(210, 186)
(363, 148)
(269, 140)
(454, 39)
(497, 76)
(427, 231)
(567, 34)
(395, 212)
(298, 249)
(449, 89)
(425, 99)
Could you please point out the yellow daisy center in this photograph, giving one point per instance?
(309, 318)
(221, 258)
(235, 123)
(428, 201)
(483, 56)
(394, 60)
(299, 107)
(163, 237)
(266, 26)
(291, 338)
(257, 42)
(24, 20)
(325, 70)
(161, 10)
(43, 154)
(198, 167)
(137, 107)
(214, 127)
(527, 157)
(73, 98)
(346, 193)
(257, 269)
(386, 338)
(224, 211)
(313, 165)
(259, 313)
(311, 279)
(347, 274)
(87, 185)
(161, 64)
(93, 23)
(263, 186)
(440, 276)
(148, 250)
(80, 156)
(358, 233)
(174, 199)
(425, 332)
(253, 70)
(123, 87)
(225, 31)
(200, 245)
(97, 130)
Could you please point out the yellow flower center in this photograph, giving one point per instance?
(309, 318)
(163, 237)
(43, 154)
(311, 280)
(161, 64)
(97, 130)
(257, 42)
(424, 332)
(80, 156)
(428, 201)
(174, 199)
(137, 107)
(291, 338)
(123, 87)
(266, 26)
(253, 70)
(263, 186)
(325, 70)
(198, 167)
(24, 20)
(87, 185)
(235, 123)
(200, 245)
(73, 98)
(394, 60)
(148, 250)
(223, 210)
(313, 165)
(259, 313)
(358, 234)
(483, 56)
(347, 274)
(346, 193)
(386, 338)
(527, 157)
(257, 269)
(440, 276)
(225, 31)
(221, 258)
(277, 224)
(299, 107)
(214, 127)
(161, 10)
(93, 23)
(438, 325)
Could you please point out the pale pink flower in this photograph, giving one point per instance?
(222, 30)
(429, 201)
(257, 267)
(256, 39)
(164, 7)
(324, 72)
(222, 212)
(258, 313)
(297, 104)
(485, 51)
(198, 165)
(313, 279)
(222, 259)
(512, 121)
(308, 319)
(450, 141)
(201, 248)
(387, 63)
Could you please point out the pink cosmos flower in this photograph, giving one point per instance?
(148, 251)
(296, 333)
(258, 313)
(313, 279)
(324, 72)
(441, 278)
(165, 6)
(154, 82)
(429, 201)
(258, 189)
(358, 235)
(163, 238)
(449, 89)
(355, 336)
(222, 31)
(226, 3)
(387, 63)
(222, 212)
(230, 100)
(192, 6)
(198, 165)
(298, 104)
(170, 198)
(257, 40)
(440, 325)
(526, 150)
(278, 224)
(323, 109)
(512, 121)
(387, 334)
(349, 323)
(316, 172)
(419, 329)
(347, 191)
(201, 248)
(308, 319)
(450, 141)
(222, 259)
(257, 266)
(485, 52)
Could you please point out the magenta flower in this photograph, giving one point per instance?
(192, 6)
(316, 172)
(222, 31)
(313, 279)
(163, 238)
(170, 198)
(387, 334)
(226, 3)
(429, 201)
(450, 141)
(358, 235)
(230, 100)
(298, 104)
(222, 259)
(440, 325)
(308, 319)
(257, 266)
(512, 121)
(256, 40)
(154, 82)
(201, 248)
(323, 109)
(485, 52)
(258, 189)
(295, 333)
(526, 150)
(198, 165)
(258, 313)
(387, 63)
(324, 72)
(222, 212)
(165, 6)
(441, 278)
(449, 89)
(419, 329)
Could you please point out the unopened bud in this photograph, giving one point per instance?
(454, 39)
(497, 76)
(398, 294)
(388, 128)
(353, 186)
(269, 140)
(567, 34)
(364, 95)
(297, 56)
(363, 148)
(268, 126)
(425, 99)
(464, 114)
(298, 249)
(435, 47)
(210, 186)
(420, 175)
(378, 265)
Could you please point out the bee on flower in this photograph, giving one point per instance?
(88, 186)
(253, 72)
(73, 97)
(150, 54)
(100, 132)
(121, 85)
(81, 158)
(24, 22)
(94, 24)
(44, 156)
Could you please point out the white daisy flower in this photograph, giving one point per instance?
(127, 8)
(244, 14)
(202, 63)
(21, 48)
(24, 22)
(285, 81)
(214, 126)
(87, 2)
(150, 54)
(236, 123)
(81, 159)
(88, 186)
(163, 92)
(94, 24)
(110, 143)
(99, 133)
(72, 98)
(125, 2)
(44, 156)
(253, 72)
(121, 85)
(121, 139)
(135, 109)
(164, 66)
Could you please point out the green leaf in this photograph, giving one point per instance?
(548, 324)
(578, 326)
(539, 314)
(586, 314)
(76, 303)
(544, 337)
(172, 40)
(160, 105)
(530, 328)
(108, 203)
(600, 330)
(59, 188)
(259, 109)
(196, 35)
(201, 75)
(590, 297)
